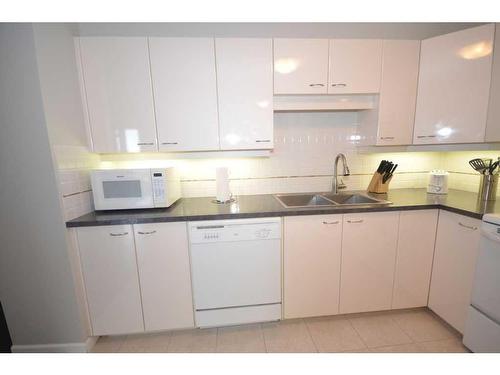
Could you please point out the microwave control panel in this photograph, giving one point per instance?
(158, 179)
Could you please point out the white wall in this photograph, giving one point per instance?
(36, 282)
(59, 83)
(67, 134)
(64, 115)
(259, 29)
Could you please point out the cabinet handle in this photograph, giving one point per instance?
(262, 140)
(330, 222)
(118, 234)
(355, 221)
(426, 136)
(170, 143)
(339, 84)
(386, 137)
(467, 226)
(152, 232)
(145, 144)
(316, 85)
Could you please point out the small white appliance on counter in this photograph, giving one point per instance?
(223, 194)
(236, 271)
(438, 182)
(118, 189)
(482, 329)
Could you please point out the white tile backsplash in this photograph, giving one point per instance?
(305, 147)
(302, 160)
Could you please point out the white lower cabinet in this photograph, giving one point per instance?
(111, 280)
(137, 277)
(135, 286)
(412, 276)
(164, 273)
(457, 246)
(311, 269)
(369, 242)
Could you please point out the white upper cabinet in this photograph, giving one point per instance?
(493, 123)
(322, 66)
(355, 66)
(453, 87)
(245, 92)
(300, 66)
(119, 95)
(369, 244)
(311, 268)
(398, 92)
(457, 246)
(185, 93)
(164, 272)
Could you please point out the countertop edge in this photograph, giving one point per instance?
(330, 211)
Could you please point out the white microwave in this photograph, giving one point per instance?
(118, 189)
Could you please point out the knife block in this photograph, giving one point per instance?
(377, 186)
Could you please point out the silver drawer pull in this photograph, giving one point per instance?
(263, 140)
(467, 226)
(330, 222)
(152, 232)
(339, 84)
(145, 144)
(386, 137)
(316, 85)
(170, 143)
(355, 221)
(118, 234)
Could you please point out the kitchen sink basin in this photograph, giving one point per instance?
(344, 199)
(303, 200)
(327, 199)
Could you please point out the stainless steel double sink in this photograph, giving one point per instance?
(328, 200)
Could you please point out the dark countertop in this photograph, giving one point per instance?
(251, 206)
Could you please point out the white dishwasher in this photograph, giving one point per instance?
(236, 271)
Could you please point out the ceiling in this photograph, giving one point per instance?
(273, 29)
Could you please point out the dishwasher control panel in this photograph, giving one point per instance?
(235, 230)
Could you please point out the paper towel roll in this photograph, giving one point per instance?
(222, 184)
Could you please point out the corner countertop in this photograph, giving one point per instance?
(252, 206)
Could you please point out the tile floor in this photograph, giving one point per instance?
(403, 331)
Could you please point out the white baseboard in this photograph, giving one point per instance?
(71, 347)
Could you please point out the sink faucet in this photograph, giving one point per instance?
(335, 185)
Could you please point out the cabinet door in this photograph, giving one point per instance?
(453, 87)
(185, 93)
(355, 66)
(163, 259)
(119, 94)
(245, 89)
(369, 242)
(398, 92)
(417, 234)
(312, 247)
(300, 66)
(111, 281)
(493, 123)
(457, 246)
